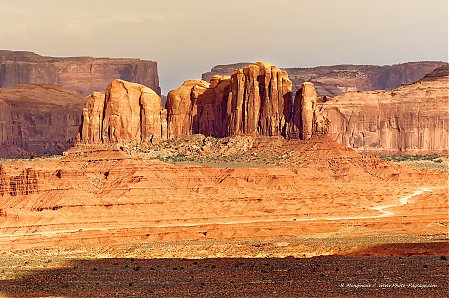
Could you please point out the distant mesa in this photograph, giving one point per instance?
(81, 74)
(38, 119)
(337, 79)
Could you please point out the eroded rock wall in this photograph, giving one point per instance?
(128, 112)
(412, 119)
(256, 99)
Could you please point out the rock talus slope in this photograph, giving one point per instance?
(82, 74)
(128, 112)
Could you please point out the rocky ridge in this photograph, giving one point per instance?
(334, 80)
(257, 101)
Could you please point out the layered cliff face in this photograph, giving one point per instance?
(82, 74)
(256, 99)
(127, 113)
(38, 119)
(334, 80)
(412, 119)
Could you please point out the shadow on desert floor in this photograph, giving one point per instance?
(330, 276)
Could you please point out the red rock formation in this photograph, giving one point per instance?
(213, 108)
(256, 99)
(93, 118)
(182, 108)
(412, 119)
(306, 120)
(128, 112)
(38, 119)
(260, 101)
(83, 74)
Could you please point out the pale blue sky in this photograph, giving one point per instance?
(187, 38)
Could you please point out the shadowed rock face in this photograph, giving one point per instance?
(128, 112)
(413, 118)
(38, 119)
(334, 80)
(82, 74)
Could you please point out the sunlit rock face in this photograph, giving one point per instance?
(127, 112)
(411, 119)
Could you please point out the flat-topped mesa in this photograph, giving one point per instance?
(81, 74)
(127, 113)
(256, 99)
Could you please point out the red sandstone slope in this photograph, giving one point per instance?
(107, 200)
(82, 74)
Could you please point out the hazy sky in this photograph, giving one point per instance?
(187, 38)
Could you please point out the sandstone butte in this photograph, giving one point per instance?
(128, 112)
(254, 100)
(257, 100)
(81, 74)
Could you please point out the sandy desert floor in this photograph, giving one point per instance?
(96, 222)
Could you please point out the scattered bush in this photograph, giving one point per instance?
(399, 158)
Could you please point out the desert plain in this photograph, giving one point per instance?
(244, 216)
